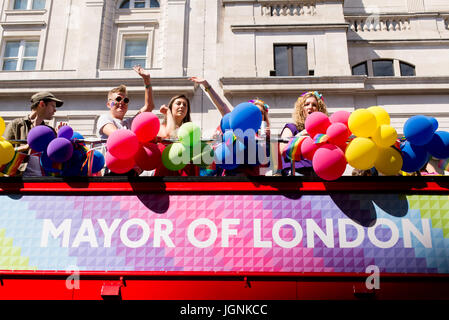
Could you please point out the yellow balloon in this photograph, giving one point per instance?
(362, 123)
(2, 126)
(6, 152)
(381, 115)
(385, 136)
(389, 161)
(361, 153)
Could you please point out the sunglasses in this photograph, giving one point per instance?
(119, 98)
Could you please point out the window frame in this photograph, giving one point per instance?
(365, 63)
(134, 37)
(132, 4)
(29, 6)
(290, 56)
(408, 65)
(386, 59)
(396, 65)
(20, 55)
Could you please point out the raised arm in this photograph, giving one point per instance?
(217, 101)
(149, 103)
(168, 128)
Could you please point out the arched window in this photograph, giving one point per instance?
(383, 68)
(407, 70)
(126, 4)
(360, 69)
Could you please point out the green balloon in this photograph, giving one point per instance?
(175, 156)
(189, 134)
(202, 155)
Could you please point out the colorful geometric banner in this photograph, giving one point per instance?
(236, 233)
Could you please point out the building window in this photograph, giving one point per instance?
(20, 55)
(360, 69)
(407, 70)
(29, 4)
(135, 53)
(290, 60)
(383, 68)
(139, 4)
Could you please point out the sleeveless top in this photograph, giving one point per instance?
(300, 166)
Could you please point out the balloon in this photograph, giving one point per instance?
(338, 133)
(308, 148)
(245, 116)
(362, 123)
(385, 136)
(202, 155)
(293, 148)
(148, 157)
(189, 134)
(438, 147)
(97, 163)
(65, 132)
(414, 157)
(434, 123)
(117, 165)
(316, 122)
(361, 153)
(389, 161)
(73, 166)
(418, 130)
(225, 157)
(341, 116)
(381, 115)
(175, 156)
(224, 123)
(60, 150)
(146, 126)
(6, 152)
(122, 144)
(39, 137)
(2, 126)
(329, 162)
(77, 136)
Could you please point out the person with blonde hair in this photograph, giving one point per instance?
(307, 103)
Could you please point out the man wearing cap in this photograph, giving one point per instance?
(43, 107)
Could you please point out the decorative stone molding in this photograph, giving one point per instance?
(288, 8)
(374, 23)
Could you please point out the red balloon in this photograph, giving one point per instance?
(122, 144)
(148, 157)
(308, 148)
(146, 126)
(338, 133)
(317, 122)
(117, 165)
(329, 162)
(340, 116)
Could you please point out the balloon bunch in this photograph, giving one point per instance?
(372, 146)
(6, 148)
(325, 144)
(239, 129)
(422, 140)
(128, 148)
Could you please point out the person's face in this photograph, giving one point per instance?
(179, 108)
(311, 105)
(118, 105)
(47, 110)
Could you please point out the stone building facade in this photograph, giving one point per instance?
(357, 53)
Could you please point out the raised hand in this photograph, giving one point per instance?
(141, 72)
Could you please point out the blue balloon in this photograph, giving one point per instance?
(97, 164)
(438, 147)
(77, 136)
(245, 116)
(434, 123)
(418, 130)
(224, 123)
(229, 157)
(72, 167)
(414, 157)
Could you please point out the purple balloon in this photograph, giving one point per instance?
(65, 132)
(60, 150)
(39, 137)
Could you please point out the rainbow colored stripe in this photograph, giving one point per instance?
(10, 169)
(444, 164)
(293, 149)
(320, 138)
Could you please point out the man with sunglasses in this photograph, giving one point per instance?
(118, 106)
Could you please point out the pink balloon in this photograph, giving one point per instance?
(329, 162)
(148, 157)
(316, 122)
(341, 116)
(122, 144)
(117, 165)
(308, 148)
(338, 133)
(146, 126)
